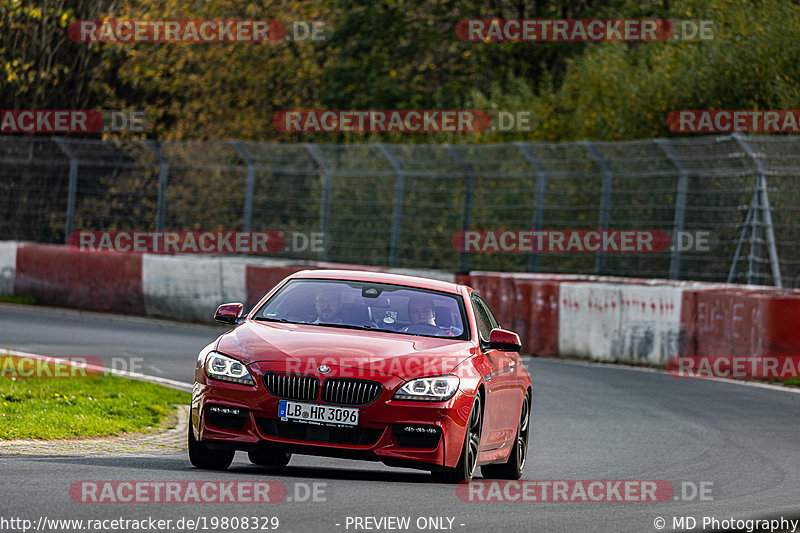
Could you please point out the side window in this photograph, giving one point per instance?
(482, 318)
(492, 318)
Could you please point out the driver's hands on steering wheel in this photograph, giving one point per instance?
(426, 329)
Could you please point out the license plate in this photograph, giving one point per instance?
(317, 414)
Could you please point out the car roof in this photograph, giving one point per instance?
(381, 277)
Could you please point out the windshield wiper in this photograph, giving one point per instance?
(354, 326)
(281, 320)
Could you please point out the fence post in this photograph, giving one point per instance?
(760, 204)
(469, 189)
(397, 207)
(325, 197)
(679, 221)
(250, 185)
(538, 206)
(605, 199)
(72, 191)
(737, 253)
(163, 173)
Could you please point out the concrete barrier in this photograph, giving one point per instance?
(599, 318)
(524, 303)
(541, 332)
(261, 279)
(94, 281)
(8, 266)
(191, 288)
(182, 287)
(589, 320)
(650, 324)
(731, 321)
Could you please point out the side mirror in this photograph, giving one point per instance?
(501, 339)
(229, 313)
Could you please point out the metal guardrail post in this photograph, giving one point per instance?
(163, 176)
(679, 221)
(753, 266)
(761, 204)
(249, 186)
(325, 198)
(538, 206)
(397, 207)
(605, 199)
(72, 191)
(738, 252)
(469, 190)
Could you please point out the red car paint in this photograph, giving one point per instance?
(388, 358)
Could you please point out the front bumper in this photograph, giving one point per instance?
(382, 433)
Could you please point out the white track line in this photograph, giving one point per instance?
(171, 383)
(622, 366)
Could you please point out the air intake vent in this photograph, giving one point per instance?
(289, 387)
(344, 391)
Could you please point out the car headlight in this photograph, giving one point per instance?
(435, 389)
(226, 368)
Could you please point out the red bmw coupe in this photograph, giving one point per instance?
(409, 371)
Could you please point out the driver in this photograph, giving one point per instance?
(327, 303)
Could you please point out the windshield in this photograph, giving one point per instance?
(364, 305)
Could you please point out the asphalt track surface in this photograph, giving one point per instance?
(589, 422)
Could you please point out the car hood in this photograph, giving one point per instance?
(303, 347)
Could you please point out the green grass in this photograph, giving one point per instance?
(57, 408)
(13, 299)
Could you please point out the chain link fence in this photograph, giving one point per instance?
(400, 204)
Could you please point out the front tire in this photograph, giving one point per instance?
(201, 456)
(465, 468)
(513, 468)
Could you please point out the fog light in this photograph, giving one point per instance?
(233, 411)
(226, 417)
(421, 429)
(417, 436)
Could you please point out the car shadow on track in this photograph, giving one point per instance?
(180, 464)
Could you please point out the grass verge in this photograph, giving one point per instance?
(73, 407)
(22, 300)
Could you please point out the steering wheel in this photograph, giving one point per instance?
(423, 329)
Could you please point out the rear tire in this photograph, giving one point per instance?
(465, 468)
(201, 456)
(513, 468)
(269, 456)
